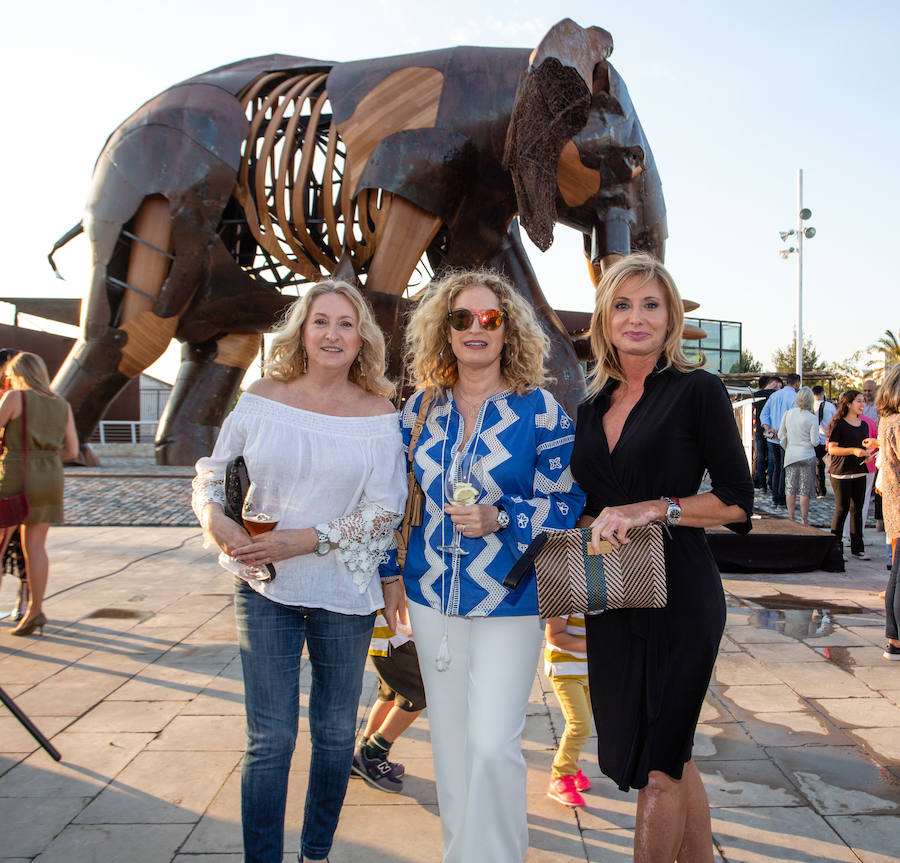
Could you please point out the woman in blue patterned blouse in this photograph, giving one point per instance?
(476, 354)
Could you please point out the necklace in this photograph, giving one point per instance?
(474, 406)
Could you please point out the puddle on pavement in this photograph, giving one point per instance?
(119, 614)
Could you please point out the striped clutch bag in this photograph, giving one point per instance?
(570, 578)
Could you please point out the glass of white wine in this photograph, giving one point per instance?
(462, 486)
(260, 513)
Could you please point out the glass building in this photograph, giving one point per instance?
(721, 347)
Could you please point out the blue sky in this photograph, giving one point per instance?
(733, 99)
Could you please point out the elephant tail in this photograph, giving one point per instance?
(68, 235)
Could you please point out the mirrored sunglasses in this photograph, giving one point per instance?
(461, 319)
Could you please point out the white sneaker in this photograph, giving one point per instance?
(861, 555)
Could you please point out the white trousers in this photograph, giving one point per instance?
(870, 482)
(476, 711)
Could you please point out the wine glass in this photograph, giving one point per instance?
(462, 487)
(260, 513)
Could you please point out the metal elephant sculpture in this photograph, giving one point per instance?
(218, 199)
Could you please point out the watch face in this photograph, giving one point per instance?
(503, 518)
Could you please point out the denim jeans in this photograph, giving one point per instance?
(271, 639)
(776, 471)
(762, 478)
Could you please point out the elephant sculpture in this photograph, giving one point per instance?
(216, 201)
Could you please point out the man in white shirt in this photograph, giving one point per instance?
(775, 408)
(825, 411)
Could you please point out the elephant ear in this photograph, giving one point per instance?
(551, 105)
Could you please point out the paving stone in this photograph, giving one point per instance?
(746, 783)
(796, 728)
(162, 787)
(880, 678)
(726, 741)
(884, 742)
(873, 838)
(102, 843)
(202, 733)
(860, 712)
(765, 834)
(14, 737)
(29, 824)
(766, 698)
(110, 716)
(163, 683)
(89, 762)
(792, 652)
(820, 679)
(839, 780)
(608, 846)
(741, 668)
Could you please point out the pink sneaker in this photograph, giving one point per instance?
(582, 783)
(563, 790)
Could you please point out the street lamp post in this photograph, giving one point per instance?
(803, 215)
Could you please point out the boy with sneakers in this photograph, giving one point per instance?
(565, 663)
(401, 698)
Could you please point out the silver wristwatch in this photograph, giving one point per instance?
(673, 513)
(324, 545)
(502, 518)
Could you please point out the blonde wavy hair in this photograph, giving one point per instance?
(888, 401)
(26, 371)
(287, 354)
(432, 363)
(606, 355)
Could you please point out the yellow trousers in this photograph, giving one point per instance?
(575, 700)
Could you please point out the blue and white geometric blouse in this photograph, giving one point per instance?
(525, 443)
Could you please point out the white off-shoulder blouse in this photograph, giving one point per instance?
(344, 475)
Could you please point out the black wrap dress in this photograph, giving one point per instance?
(649, 668)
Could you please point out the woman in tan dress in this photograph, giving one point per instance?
(51, 438)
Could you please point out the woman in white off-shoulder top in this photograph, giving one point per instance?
(320, 427)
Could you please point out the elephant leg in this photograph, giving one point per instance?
(130, 337)
(406, 232)
(208, 381)
(512, 260)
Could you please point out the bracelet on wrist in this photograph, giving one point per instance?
(390, 580)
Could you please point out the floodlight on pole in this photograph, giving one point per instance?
(803, 215)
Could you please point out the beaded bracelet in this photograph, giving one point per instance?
(390, 580)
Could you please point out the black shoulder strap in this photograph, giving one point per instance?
(821, 411)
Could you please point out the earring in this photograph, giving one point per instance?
(304, 359)
(358, 361)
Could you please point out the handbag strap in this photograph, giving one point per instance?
(24, 440)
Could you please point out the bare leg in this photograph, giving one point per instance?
(804, 508)
(376, 716)
(398, 720)
(791, 501)
(37, 565)
(673, 820)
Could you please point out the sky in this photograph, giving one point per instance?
(733, 98)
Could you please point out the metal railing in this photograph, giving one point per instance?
(124, 431)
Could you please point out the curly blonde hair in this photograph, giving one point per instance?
(287, 355)
(431, 362)
(606, 355)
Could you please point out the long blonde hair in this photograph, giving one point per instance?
(432, 363)
(287, 354)
(27, 371)
(606, 355)
(888, 401)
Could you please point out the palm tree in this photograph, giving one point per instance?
(889, 346)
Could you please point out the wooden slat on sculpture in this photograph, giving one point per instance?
(575, 180)
(148, 337)
(237, 349)
(331, 217)
(406, 99)
(689, 305)
(692, 333)
(401, 244)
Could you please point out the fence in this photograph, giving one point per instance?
(124, 431)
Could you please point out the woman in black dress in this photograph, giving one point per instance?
(652, 425)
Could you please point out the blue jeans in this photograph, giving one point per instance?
(762, 463)
(271, 638)
(776, 471)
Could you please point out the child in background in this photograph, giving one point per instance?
(565, 663)
(401, 698)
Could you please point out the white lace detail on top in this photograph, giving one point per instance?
(362, 537)
(207, 487)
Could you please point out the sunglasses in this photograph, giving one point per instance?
(461, 319)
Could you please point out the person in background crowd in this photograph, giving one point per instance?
(888, 444)
(872, 432)
(870, 409)
(824, 411)
(51, 437)
(848, 469)
(775, 408)
(799, 434)
(767, 385)
(565, 663)
(652, 425)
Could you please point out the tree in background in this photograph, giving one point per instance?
(889, 346)
(849, 373)
(747, 363)
(784, 359)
